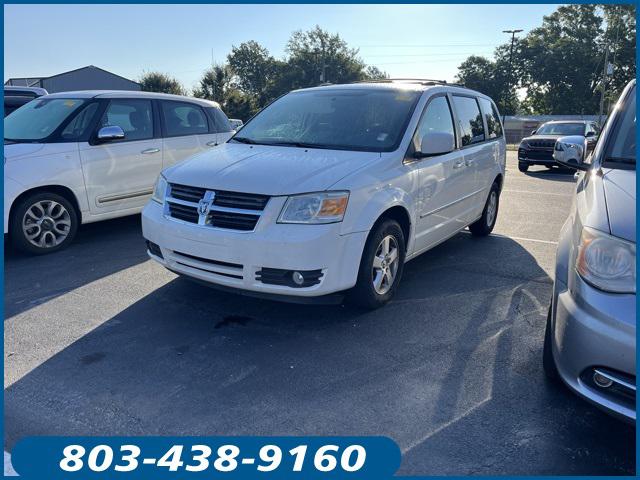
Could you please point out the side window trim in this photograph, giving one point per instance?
(165, 133)
(408, 154)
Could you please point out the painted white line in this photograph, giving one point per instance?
(539, 192)
(8, 469)
(521, 239)
(525, 239)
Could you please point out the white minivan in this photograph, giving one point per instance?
(79, 157)
(330, 190)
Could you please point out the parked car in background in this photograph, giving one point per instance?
(538, 148)
(236, 123)
(330, 189)
(590, 340)
(79, 157)
(15, 97)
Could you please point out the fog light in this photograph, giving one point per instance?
(601, 380)
(298, 278)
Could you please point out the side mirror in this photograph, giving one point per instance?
(436, 143)
(570, 152)
(108, 134)
(533, 132)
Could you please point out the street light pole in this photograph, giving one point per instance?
(506, 95)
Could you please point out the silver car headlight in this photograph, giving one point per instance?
(160, 191)
(606, 262)
(315, 208)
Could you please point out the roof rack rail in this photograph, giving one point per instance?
(422, 81)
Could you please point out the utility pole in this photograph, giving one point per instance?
(603, 82)
(506, 95)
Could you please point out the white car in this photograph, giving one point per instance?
(236, 123)
(79, 157)
(332, 189)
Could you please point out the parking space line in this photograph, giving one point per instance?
(539, 192)
(522, 239)
(525, 239)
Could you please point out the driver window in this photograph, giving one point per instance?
(436, 118)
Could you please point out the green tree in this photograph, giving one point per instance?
(161, 82)
(317, 56)
(253, 70)
(374, 73)
(621, 37)
(213, 83)
(491, 78)
(238, 104)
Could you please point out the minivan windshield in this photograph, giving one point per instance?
(367, 119)
(561, 129)
(621, 148)
(39, 118)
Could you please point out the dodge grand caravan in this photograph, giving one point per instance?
(79, 157)
(330, 190)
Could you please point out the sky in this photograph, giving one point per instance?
(418, 41)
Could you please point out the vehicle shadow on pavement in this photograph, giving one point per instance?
(557, 174)
(119, 240)
(451, 370)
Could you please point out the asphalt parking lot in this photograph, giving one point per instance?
(101, 341)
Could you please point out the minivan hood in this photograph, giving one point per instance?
(13, 151)
(269, 170)
(620, 194)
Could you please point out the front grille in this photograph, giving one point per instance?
(188, 194)
(183, 212)
(233, 221)
(542, 143)
(229, 210)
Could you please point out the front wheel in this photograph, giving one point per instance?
(43, 223)
(523, 167)
(548, 363)
(484, 225)
(381, 266)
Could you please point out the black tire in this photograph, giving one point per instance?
(548, 363)
(364, 294)
(64, 228)
(484, 225)
(523, 167)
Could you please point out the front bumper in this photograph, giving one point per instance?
(595, 330)
(234, 259)
(536, 156)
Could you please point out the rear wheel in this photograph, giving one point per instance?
(484, 225)
(42, 223)
(381, 266)
(523, 167)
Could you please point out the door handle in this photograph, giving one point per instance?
(458, 164)
(149, 151)
(468, 162)
(212, 143)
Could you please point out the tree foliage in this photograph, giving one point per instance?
(161, 82)
(252, 77)
(559, 65)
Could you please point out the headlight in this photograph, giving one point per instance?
(607, 262)
(325, 207)
(160, 191)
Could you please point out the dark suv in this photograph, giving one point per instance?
(538, 148)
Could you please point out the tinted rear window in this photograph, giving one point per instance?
(470, 120)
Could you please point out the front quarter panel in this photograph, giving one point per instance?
(388, 183)
(56, 164)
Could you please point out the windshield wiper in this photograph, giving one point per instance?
(244, 140)
(308, 145)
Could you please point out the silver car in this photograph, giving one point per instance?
(590, 340)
